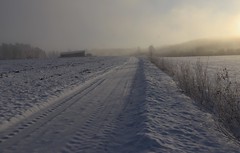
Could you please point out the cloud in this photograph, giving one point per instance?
(75, 24)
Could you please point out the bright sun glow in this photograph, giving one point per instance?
(236, 26)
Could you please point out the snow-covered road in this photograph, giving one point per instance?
(78, 123)
(131, 108)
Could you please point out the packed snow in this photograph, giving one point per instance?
(27, 85)
(160, 118)
(134, 107)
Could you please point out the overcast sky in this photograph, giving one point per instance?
(79, 24)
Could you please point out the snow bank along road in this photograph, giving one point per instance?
(132, 108)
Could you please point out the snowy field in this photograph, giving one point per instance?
(214, 63)
(134, 108)
(160, 118)
(27, 85)
(175, 123)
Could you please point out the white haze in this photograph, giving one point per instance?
(80, 24)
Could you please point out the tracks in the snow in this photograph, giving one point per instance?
(32, 124)
(78, 123)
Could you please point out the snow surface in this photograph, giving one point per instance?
(159, 118)
(28, 85)
(214, 63)
(132, 108)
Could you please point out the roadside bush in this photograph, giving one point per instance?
(217, 93)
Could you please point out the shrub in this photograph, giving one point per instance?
(217, 93)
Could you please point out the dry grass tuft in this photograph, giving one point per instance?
(219, 94)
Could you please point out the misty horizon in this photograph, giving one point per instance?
(88, 24)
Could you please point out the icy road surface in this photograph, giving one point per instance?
(132, 108)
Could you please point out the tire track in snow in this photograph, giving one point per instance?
(105, 116)
(30, 125)
(76, 122)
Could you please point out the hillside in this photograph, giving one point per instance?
(202, 47)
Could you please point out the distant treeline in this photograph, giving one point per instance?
(201, 52)
(20, 51)
(201, 48)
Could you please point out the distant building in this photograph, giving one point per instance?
(79, 53)
(89, 54)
